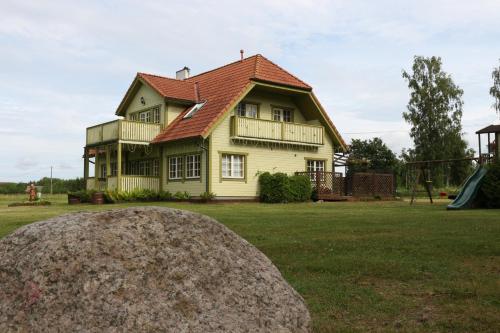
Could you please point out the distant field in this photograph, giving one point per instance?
(365, 266)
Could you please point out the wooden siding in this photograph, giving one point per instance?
(193, 186)
(122, 130)
(260, 158)
(276, 130)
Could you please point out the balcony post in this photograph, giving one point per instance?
(85, 165)
(119, 167)
(96, 168)
(160, 169)
(108, 162)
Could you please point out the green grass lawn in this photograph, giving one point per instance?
(361, 266)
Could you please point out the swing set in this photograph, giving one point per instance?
(421, 171)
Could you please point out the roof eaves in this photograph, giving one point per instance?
(281, 84)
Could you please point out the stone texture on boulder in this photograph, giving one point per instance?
(143, 269)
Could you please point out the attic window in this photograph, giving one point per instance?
(193, 110)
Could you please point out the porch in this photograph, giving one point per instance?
(127, 183)
(122, 167)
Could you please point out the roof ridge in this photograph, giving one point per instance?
(160, 76)
(256, 67)
(285, 71)
(226, 65)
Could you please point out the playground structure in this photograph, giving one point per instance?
(470, 187)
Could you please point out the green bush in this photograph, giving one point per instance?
(489, 193)
(85, 196)
(110, 196)
(279, 187)
(207, 196)
(300, 188)
(182, 195)
(165, 196)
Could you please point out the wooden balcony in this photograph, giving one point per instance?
(123, 130)
(268, 130)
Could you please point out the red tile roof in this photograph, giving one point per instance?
(170, 88)
(219, 88)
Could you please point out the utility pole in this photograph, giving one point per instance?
(50, 180)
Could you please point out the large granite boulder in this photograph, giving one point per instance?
(144, 269)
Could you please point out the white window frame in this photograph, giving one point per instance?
(175, 167)
(242, 110)
(195, 108)
(314, 166)
(289, 118)
(156, 114)
(282, 114)
(230, 164)
(156, 167)
(277, 114)
(193, 166)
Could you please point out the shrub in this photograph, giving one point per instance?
(164, 196)
(110, 196)
(182, 195)
(207, 196)
(85, 196)
(300, 188)
(489, 192)
(279, 187)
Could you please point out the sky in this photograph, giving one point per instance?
(65, 65)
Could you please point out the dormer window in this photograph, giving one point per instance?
(249, 110)
(195, 108)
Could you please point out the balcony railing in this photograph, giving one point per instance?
(127, 183)
(122, 130)
(269, 130)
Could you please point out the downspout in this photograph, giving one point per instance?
(207, 161)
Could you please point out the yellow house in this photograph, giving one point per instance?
(212, 132)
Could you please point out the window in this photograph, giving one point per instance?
(287, 116)
(281, 114)
(314, 166)
(193, 110)
(277, 114)
(141, 167)
(193, 166)
(233, 166)
(156, 168)
(151, 115)
(175, 167)
(156, 115)
(103, 171)
(145, 117)
(247, 110)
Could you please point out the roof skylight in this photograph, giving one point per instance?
(194, 109)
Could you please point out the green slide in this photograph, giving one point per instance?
(469, 191)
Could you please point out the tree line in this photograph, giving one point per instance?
(434, 112)
(58, 186)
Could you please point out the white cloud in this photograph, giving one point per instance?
(65, 65)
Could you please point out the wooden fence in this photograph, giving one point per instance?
(359, 184)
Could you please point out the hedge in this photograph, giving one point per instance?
(280, 188)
